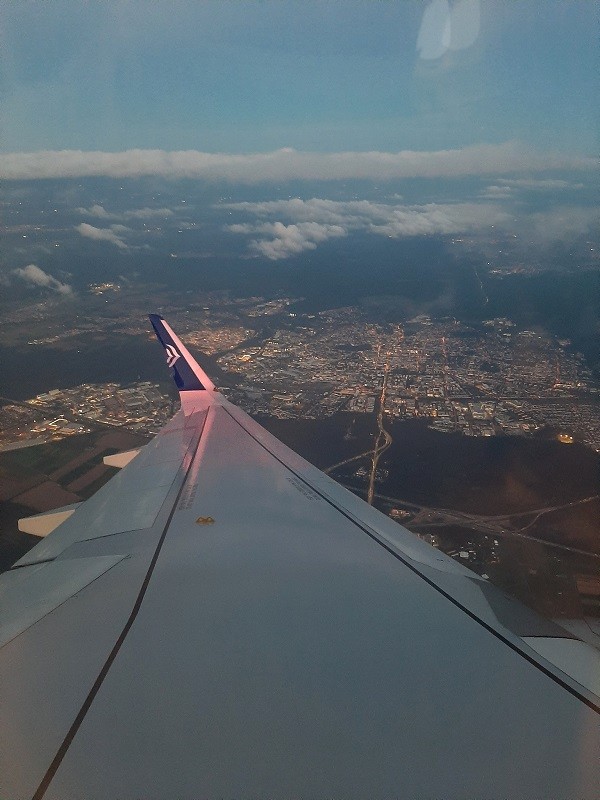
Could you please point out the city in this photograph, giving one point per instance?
(480, 379)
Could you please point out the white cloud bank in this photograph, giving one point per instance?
(104, 234)
(138, 213)
(566, 223)
(544, 184)
(34, 275)
(288, 240)
(316, 220)
(504, 187)
(286, 164)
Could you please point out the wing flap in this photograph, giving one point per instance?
(43, 524)
(28, 594)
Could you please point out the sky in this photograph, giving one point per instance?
(279, 75)
(305, 124)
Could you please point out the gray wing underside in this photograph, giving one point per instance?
(223, 620)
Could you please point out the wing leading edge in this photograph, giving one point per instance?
(222, 619)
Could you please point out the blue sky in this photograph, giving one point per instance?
(243, 77)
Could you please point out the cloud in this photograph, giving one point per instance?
(567, 223)
(496, 192)
(316, 220)
(104, 234)
(95, 211)
(147, 213)
(360, 214)
(440, 219)
(286, 164)
(33, 274)
(544, 184)
(504, 187)
(288, 240)
(138, 213)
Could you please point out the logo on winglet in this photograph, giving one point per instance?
(172, 355)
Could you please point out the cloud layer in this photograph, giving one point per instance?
(288, 240)
(99, 212)
(316, 220)
(104, 234)
(286, 164)
(34, 275)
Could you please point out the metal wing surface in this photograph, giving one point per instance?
(222, 620)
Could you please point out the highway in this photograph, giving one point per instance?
(383, 440)
(429, 517)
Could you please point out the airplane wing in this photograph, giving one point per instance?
(222, 620)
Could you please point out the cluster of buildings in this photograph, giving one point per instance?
(22, 426)
(211, 340)
(53, 415)
(484, 380)
(140, 407)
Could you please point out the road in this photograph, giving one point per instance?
(383, 440)
(429, 517)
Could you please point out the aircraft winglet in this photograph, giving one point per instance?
(187, 373)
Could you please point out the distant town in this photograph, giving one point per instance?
(491, 379)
